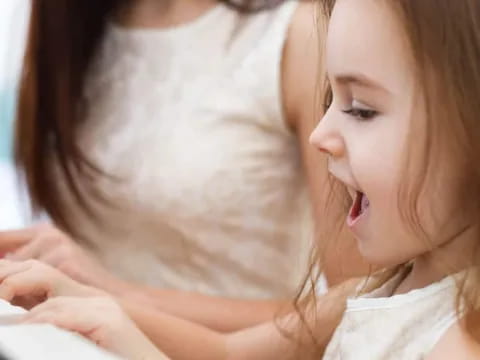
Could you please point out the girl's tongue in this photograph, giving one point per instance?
(360, 205)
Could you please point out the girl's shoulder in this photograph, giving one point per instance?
(456, 343)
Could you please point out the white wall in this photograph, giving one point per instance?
(13, 24)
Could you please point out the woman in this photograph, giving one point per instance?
(172, 145)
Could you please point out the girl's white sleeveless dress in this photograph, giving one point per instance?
(401, 327)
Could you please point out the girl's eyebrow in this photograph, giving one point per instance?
(359, 80)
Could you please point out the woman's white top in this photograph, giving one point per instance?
(407, 326)
(212, 195)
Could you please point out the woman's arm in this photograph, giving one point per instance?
(303, 90)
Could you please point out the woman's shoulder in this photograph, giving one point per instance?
(307, 13)
(302, 66)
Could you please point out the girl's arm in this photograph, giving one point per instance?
(217, 313)
(61, 301)
(48, 244)
(183, 340)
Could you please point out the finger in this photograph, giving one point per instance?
(68, 320)
(33, 250)
(26, 284)
(53, 258)
(48, 305)
(68, 313)
(9, 268)
(11, 240)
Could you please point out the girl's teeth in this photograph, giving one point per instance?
(365, 203)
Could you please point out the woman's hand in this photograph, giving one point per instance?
(100, 320)
(51, 246)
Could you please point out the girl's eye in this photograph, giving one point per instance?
(328, 99)
(361, 114)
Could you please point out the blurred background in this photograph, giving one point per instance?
(13, 22)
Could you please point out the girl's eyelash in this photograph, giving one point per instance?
(361, 114)
(327, 98)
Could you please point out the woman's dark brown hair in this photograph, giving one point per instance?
(63, 38)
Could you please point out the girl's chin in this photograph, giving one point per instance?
(381, 258)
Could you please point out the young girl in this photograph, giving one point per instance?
(401, 134)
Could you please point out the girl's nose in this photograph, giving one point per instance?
(327, 138)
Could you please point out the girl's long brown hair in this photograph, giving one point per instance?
(444, 42)
(63, 38)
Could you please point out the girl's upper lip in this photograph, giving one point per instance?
(348, 180)
(352, 192)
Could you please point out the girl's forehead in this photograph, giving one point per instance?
(365, 38)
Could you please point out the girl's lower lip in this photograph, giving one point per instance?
(351, 222)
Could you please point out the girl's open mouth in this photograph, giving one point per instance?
(359, 208)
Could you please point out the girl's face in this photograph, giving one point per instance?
(365, 129)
